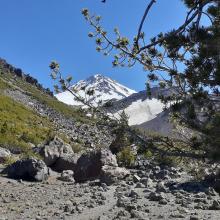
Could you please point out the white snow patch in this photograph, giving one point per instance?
(142, 111)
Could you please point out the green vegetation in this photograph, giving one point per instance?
(9, 160)
(20, 126)
(3, 85)
(76, 147)
(41, 96)
(126, 157)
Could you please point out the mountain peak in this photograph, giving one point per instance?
(105, 89)
(98, 76)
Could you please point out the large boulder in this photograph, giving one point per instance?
(55, 149)
(107, 158)
(90, 164)
(111, 175)
(28, 169)
(66, 162)
(4, 154)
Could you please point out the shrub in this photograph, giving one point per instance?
(9, 160)
(126, 157)
(76, 147)
(20, 126)
(167, 161)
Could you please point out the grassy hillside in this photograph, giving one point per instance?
(19, 125)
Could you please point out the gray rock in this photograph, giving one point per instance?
(67, 176)
(55, 149)
(139, 215)
(140, 185)
(148, 182)
(215, 205)
(133, 194)
(136, 178)
(28, 169)
(123, 202)
(107, 158)
(4, 154)
(155, 196)
(110, 175)
(194, 217)
(211, 192)
(161, 187)
(177, 215)
(89, 165)
(163, 202)
(66, 162)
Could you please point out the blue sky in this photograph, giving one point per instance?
(34, 32)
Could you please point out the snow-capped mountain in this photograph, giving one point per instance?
(142, 111)
(105, 89)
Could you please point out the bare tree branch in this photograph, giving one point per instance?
(143, 19)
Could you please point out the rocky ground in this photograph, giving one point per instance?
(89, 185)
(149, 193)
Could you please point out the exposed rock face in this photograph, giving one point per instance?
(55, 149)
(4, 154)
(66, 162)
(90, 164)
(28, 169)
(110, 175)
(107, 158)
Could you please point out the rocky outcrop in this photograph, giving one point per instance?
(54, 150)
(90, 164)
(66, 162)
(28, 169)
(4, 154)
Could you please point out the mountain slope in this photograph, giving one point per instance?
(139, 107)
(30, 115)
(105, 89)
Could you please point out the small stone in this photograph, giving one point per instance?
(215, 205)
(194, 217)
(139, 215)
(133, 194)
(155, 196)
(140, 185)
(161, 187)
(177, 215)
(148, 182)
(67, 176)
(136, 178)
(163, 202)
(68, 206)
